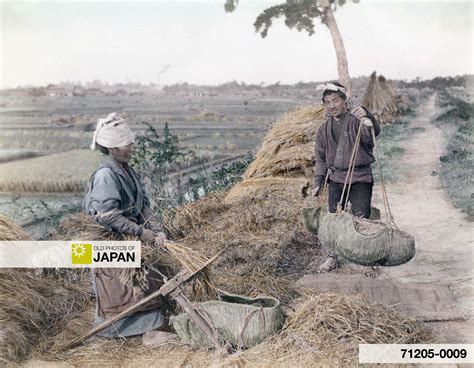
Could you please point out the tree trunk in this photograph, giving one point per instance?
(342, 65)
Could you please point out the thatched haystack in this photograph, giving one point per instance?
(266, 245)
(288, 148)
(10, 231)
(33, 306)
(259, 221)
(381, 100)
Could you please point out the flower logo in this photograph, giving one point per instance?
(81, 253)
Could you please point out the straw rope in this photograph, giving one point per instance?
(388, 213)
(350, 172)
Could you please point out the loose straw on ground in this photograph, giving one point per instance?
(321, 330)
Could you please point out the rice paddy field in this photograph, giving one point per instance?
(64, 172)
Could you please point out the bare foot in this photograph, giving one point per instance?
(372, 272)
(157, 338)
(329, 264)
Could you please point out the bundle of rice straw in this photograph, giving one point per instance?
(325, 330)
(267, 246)
(169, 259)
(322, 331)
(380, 99)
(288, 148)
(32, 306)
(10, 231)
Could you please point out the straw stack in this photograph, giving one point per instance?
(10, 231)
(284, 164)
(380, 99)
(288, 148)
(32, 305)
(259, 220)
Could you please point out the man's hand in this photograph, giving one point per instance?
(359, 112)
(367, 122)
(315, 191)
(160, 239)
(318, 185)
(147, 236)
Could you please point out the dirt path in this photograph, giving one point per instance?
(443, 236)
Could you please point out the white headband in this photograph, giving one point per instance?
(111, 132)
(330, 87)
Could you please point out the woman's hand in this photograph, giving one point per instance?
(147, 236)
(160, 239)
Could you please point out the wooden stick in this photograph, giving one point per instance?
(170, 285)
(209, 330)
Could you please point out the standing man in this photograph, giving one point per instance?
(335, 142)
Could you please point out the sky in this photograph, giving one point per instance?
(116, 42)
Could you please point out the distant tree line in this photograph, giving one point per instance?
(437, 83)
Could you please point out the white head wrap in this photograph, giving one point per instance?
(112, 132)
(330, 87)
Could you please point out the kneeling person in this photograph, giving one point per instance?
(117, 200)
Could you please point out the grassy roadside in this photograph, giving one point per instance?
(456, 174)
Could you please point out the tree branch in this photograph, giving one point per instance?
(298, 15)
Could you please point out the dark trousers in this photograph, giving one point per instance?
(360, 197)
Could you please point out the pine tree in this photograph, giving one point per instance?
(300, 14)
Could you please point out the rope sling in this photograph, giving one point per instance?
(350, 173)
(360, 240)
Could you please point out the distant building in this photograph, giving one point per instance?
(53, 90)
(78, 91)
(94, 92)
(121, 92)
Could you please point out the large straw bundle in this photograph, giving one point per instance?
(380, 99)
(32, 306)
(288, 148)
(10, 231)
(259, 220)
(325, 330)
(170, 258)
(265, 240)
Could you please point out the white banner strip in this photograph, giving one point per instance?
(416, 353)
(70, 254)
